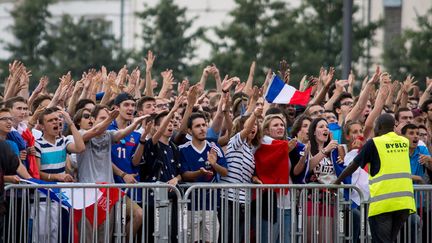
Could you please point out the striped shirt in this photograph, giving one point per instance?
(52, 156)
(241, 166)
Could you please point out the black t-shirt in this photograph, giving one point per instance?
(166, 155)
(369, 154)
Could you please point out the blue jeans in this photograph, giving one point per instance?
(286, 226)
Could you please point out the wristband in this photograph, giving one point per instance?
(123, 174)
(49, 177)
(225, 91)
(142, 142)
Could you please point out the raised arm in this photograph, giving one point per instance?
(101, 127)
(136, 158)
(118, 135)
(78, 145)
(327, 82)
(217, 77)
(148, 80)
(41, 86)
(376, 111)
(191, 100)
(204, 77)
(162, 127)
(357, 110)
(426, 94)
(248, 89)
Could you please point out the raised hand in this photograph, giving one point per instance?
(239, 87)
(149, 60)
(43, 82)
(182, 87)
(193, 95)
(227, 83)
(329, 77)
(376, 77)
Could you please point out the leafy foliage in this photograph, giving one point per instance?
(165, 32)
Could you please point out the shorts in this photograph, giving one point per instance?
(205, 226)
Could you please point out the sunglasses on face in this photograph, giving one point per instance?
(86, 116)
(6, 118)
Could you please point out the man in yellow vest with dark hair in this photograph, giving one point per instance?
(390, 183)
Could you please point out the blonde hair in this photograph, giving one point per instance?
(269, 118)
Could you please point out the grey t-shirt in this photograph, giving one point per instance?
(94, 164)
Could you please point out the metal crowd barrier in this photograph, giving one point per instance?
(197, 213)
(272, 213)
(145, 212)
(418, 227)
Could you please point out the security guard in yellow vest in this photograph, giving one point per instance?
(391, 188)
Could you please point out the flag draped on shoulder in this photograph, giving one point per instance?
(279, 92)
(82, 201)
(272, 162)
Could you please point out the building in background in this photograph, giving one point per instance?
(398, 15)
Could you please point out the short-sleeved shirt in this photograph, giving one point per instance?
(164, 154)
(416, 168)
(192, 159)
(123, 151)
(369, 155)
(94, 164)
(52, 156)
(241, 165)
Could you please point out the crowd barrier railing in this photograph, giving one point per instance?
(79, 212)
(272, 213)
(158, 212)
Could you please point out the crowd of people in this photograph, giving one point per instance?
(114, 128)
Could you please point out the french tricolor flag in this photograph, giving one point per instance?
(279, 92)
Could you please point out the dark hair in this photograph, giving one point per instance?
(337, 103)
(8, 159)
(312, 139)
(11, 101)
(422, 127)
(425, 105)
(298, 123)
(384, 124)
(4, 110)
(39, 101)
(78, 116)
(194, 116)
(45, 112)
(143, 100)
(82, 103)
(97, 109)
(402, 109)
(159, 117)
(408, 126)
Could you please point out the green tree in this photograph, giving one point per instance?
(29, 30)
(309, 36)
(164, 28)
(77, 46)
(412, 52)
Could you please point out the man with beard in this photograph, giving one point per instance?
(202, 161)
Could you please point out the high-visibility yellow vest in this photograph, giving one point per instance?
(391, 189)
